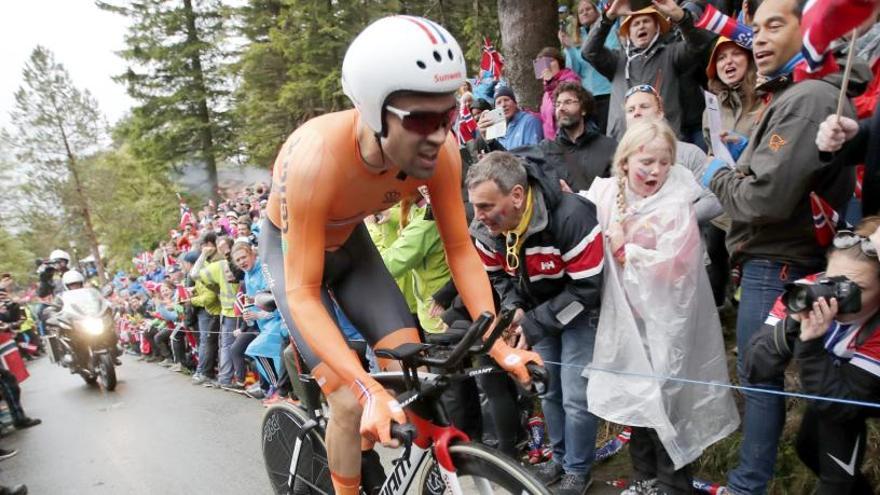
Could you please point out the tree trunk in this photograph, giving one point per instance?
(87, 220)
(206, 133)
(527, 26)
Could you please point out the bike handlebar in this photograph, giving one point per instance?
(404, 433)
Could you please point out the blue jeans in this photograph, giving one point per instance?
(762, 282)
(209, 325)
(228, 324)
(570, 425)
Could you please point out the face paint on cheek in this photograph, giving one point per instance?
(641, 175)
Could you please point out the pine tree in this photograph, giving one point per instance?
(178, 57)
(56, 127)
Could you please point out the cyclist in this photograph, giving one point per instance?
(401, 73)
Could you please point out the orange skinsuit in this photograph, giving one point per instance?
(321, 192)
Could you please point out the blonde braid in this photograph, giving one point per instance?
(621, 193)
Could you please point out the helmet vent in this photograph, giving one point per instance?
(421, 64)
(437, 56)
(449, 52)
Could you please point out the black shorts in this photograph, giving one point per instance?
(357, 279)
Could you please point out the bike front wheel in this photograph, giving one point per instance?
(481, 470)
(294, 454)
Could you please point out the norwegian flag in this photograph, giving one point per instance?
(151, 286)
(182, 293)
(824, 21)
(491, 60)
(10, 357)
(826, 220)
(466, 125)
(720, 23)
(240, 302)
(186, 216)
(168, 260)
(140, 262)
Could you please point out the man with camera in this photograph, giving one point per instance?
(830, 324)
(59, 262)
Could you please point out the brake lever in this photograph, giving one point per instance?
(405, 433)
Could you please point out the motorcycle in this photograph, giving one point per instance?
(82, 336)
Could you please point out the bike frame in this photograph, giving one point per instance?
(434, 433)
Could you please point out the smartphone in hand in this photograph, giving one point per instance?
(541, 64)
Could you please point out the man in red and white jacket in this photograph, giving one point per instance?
(543, 250)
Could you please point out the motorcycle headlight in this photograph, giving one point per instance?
(93, 326)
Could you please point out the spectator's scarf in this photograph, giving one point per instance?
(720, 23)
(781, 76)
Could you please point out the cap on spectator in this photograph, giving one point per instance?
(504, 91)
(711, 71)
(662, 22)
(232, 214)
(554, 53)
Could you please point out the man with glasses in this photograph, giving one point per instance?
(401, 73)
(543, 251)
(579, 153)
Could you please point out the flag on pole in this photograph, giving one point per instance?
(491, 60)
(824, 21)
(183, 294)
(10, 357)
(826, 220)
(466, 125)
(240, 303)
(186, 216)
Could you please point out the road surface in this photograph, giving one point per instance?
(155, 434)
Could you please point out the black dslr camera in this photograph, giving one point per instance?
(800, 296)
(771, 349)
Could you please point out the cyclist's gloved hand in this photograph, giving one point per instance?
(514, 361)
(380, 409)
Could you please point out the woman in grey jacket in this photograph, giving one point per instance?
(647, 57)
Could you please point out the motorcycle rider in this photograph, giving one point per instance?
(73, 280)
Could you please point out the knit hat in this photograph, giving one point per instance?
(504, 91)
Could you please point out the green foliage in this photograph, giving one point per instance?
(134, 203)
(178, 56)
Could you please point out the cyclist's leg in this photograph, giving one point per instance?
(343, 427)
(371, 299)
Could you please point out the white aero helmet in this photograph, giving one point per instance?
(72, 277)
(399, 53)
(59, 255)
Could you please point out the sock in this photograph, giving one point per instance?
(346, 485)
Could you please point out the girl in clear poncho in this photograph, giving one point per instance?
(658, 319)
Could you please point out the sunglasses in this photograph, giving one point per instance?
(425, 123)
(845, 239)
(641, 88)
(511, 256)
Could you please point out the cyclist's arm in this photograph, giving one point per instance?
(467, 270)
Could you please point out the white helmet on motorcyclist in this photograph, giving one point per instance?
(399, 53)
(59, 255)
(71, 277)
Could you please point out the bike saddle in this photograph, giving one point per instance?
(404, 352)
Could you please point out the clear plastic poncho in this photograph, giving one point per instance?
(658, 320)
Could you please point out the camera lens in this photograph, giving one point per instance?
(798, 299)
